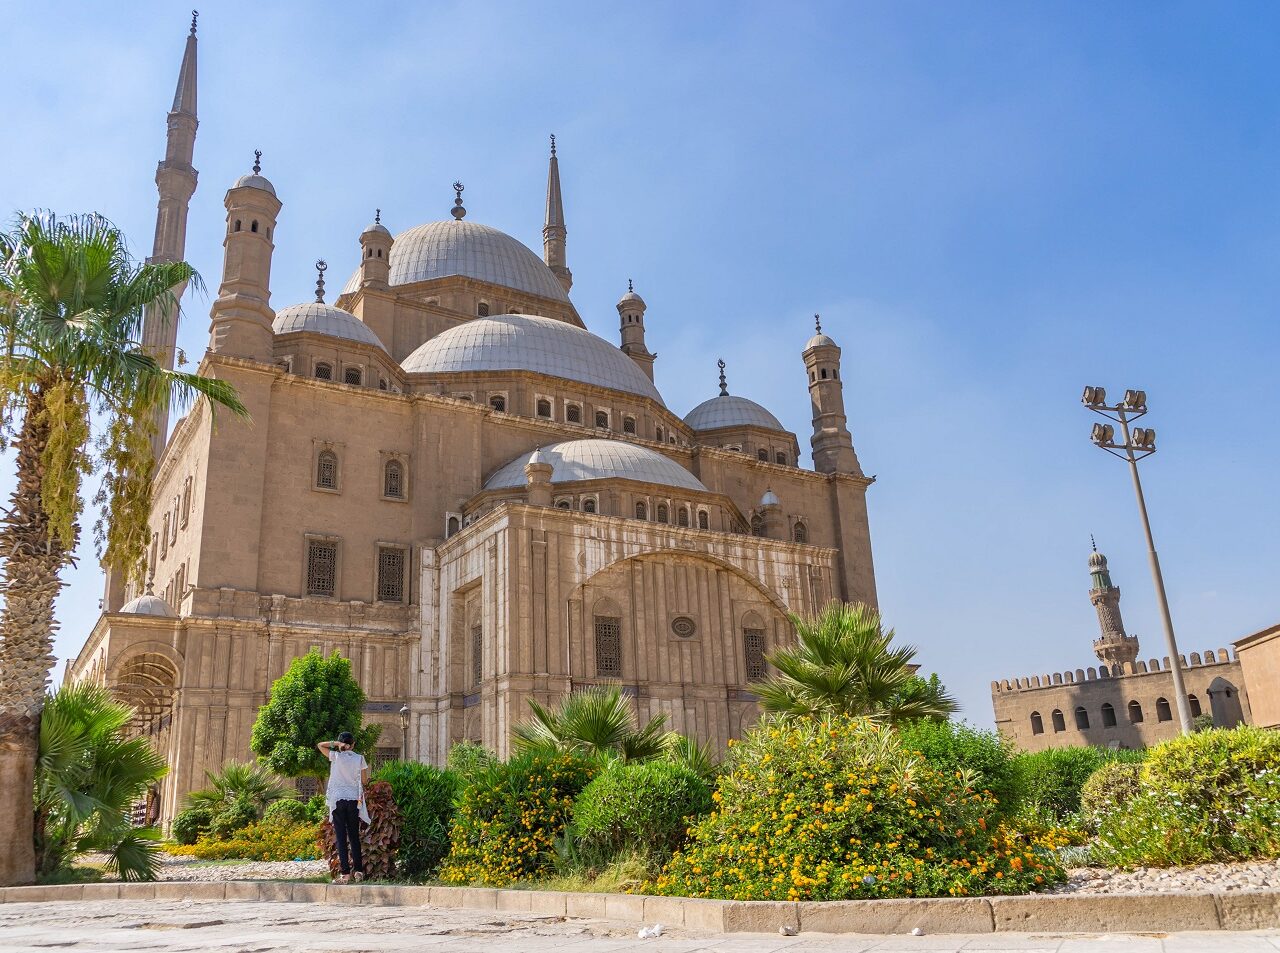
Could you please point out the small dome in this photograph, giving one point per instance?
(148, 605)
(376, 228)
(631, 302)
(320, 318)
(770, 499)
(469, 249)
(1097, 561)
(819, 340)
(252, 180)
(526, 342)
(537, 457)
(574, 461)
(729, 411)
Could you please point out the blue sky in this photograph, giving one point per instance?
(991, 204)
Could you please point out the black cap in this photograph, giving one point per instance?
(347, 738)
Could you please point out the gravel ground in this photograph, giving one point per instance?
(218, 871)
(1256, 875)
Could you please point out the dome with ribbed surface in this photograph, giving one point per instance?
(148, 605)
(526, 342)
(320, 318)
(469, 249)
(576, 460)
(729, 411)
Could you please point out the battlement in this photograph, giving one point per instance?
(1091, 674)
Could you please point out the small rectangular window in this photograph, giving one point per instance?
(477, 654)
(753, 650)
(608, 647)
(390, 575)
(322, 568)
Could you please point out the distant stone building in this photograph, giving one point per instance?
(1122, 703)
(1259, 656)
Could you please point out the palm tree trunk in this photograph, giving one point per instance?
(31, 559)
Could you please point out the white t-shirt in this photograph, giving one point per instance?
(344, 776)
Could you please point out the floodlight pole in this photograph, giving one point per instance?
(1153, 559)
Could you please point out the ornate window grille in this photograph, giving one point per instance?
(324, 372)
(544, 408)
(704, 521)
(322, 568)
(800, 533)
(642, 511)
(573, 414)
(498, 403)
(327, 470)
(629, 425)
(393, 480)
(390, 575)
(753, 652)
(588, 505)
(353, 375)
(602, 420)
(762, 455)
(477, 654)
(662, 513)
(608, 646)
(682, 516)
(781, 458)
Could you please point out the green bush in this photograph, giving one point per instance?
(510, 816)
(952, 747)
(1049, 781)
(467, 760)
(236, 816)
(286, 811)
(1209, 796)
(639, 807)
(188, 825)
(1108, 789)
(317, 809)
(424, 795)
(261, 841)
(834, 809)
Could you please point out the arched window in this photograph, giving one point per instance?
(682, 516)
(353, 376)
(451, 527)
(1135, 712)
(482, 309)
(659, 432)
(563, 505)
(757, 524)
(382, 383)
(254, 226)
(573, 413)
(704, 521)
(1059, 723)
(544, 408)
(379, 252)
(662, 513)
(1162, 710)
(753, 654)
(629, 425)
(608, 646)
(602, 419)
(1195, 706)
(762, 455)
(642, 511)
(237, 228)
(1108, 715)
(498, 403)
(800, 533)
(824, 373)
(324, 372)
(1082, 718)
(393, 480)
(327, 470)
(1037, 723)
(368, 253)
(588, 505)
(780, 457)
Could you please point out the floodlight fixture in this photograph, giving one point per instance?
(1094, 396)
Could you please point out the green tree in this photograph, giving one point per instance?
(89, 774)
(592, 721)
(315, 700)
(77, 389)
(844, 663)
(238, 781)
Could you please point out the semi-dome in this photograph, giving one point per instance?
(459, 247)
(594, 459)
(320, 318)
(727, 410)
(526, 342)
(148, 604)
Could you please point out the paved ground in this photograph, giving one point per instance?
(247, 927)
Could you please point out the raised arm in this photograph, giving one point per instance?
(325, 747)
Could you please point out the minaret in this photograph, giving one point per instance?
(176, 182)
(240, 320)
(553, 231)
(375, 254)
(1112, 646)
(832, 445)
(631, 312)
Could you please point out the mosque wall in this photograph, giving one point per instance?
(1259, 656)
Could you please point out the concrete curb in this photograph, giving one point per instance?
(1054, 913)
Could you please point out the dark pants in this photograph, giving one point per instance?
(346, 831)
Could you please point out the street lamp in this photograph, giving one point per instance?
(404, 732)
(1135, 445)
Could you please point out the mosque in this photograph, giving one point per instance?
(454, 483)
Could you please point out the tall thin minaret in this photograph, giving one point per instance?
(1113, 645)
(553, 230)
(176, 182)
(831, 443)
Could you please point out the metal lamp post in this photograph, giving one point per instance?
(1137, 444)
(404, 732)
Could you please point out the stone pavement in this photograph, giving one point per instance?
(169, 926)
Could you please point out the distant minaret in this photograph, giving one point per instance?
(1112, 646)
(176, 182)
(832, 445)
(553, 231)
(631, 313)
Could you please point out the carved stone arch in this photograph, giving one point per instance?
(751, 620)
(147, 679)
(605, 606)
(145, 648)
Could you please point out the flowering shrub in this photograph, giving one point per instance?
(262, 841)
(424, 796)
(378, 839)
(1050, 781)
(950, 746)
(1108, 789)
(1209, 796)
(836, 809)
(509, 818)
(642, 807)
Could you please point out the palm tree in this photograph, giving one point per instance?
(89, 773)
(844, 663)
(593, 721)
(238, 781)
(74, 379)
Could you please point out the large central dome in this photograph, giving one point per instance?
(469, 249)
(525, 342)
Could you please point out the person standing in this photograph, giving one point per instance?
(344, 797)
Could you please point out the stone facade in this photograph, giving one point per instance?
(450, 481)
(1259, 656)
